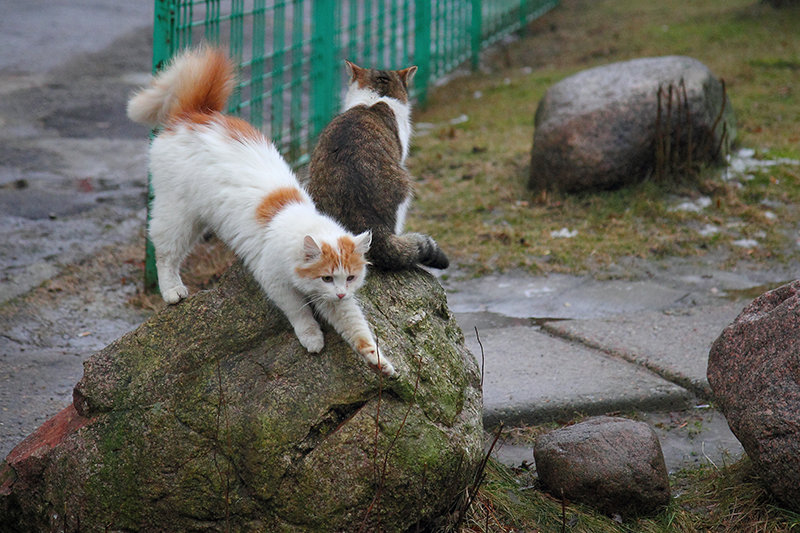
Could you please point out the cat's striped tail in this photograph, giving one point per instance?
(389, 251)
(196, 81)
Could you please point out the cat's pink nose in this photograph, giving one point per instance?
(341, 295)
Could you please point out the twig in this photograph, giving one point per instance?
(226, 477)
(659, 138)
(483, 357)
(382, 478)
(480, 475)
(689, 144)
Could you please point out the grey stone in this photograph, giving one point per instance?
(597, 129)
(212, 416)
(611, 463)
(754, 372)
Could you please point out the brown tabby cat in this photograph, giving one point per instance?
(358, 174)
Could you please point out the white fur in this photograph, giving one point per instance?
(203, 177)
(402, 211)
(402, 111)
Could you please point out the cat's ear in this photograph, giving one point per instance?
(407, 74)
(362, 242)
(311, 249)
(353, 70)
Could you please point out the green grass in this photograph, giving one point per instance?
(471, 189)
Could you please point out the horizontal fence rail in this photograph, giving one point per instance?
(291, 53)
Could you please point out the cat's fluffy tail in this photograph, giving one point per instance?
(197, 80)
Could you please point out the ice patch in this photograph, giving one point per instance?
(564, 233)
(743, 162)
(745, 243)
(693, 206)
(536, 291)
(708, 230)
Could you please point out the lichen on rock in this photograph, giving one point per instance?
(212, 416)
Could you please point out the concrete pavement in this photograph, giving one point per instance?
(558, 347)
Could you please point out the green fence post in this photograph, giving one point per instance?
(475, 29)
(163, 48)
(323, 64)
(422, 47)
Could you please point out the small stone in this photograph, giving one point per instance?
(613, 464)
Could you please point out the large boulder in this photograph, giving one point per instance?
(754, 373)
(611, 463)
(601, 128)
(212, 417)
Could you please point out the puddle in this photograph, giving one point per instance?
(751, 293)
(488, 320)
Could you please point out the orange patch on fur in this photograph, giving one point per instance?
(241, 130)
(237, 128)
(351, 260)
(272, 203)
(363, 344)
(346, 257)
(324, 266)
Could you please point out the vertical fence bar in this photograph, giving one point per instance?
(422, 47)
(323, 52)
(381, 41)
(164, 45)
(367, 26)
(352, 29)
(258, 49)
(236, 47)
(475, 32)
(278, 68)
(211, 22)
(295, 109)
(394, 38)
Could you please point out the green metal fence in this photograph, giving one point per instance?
(291, 52)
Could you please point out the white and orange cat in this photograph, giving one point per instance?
(213, 170)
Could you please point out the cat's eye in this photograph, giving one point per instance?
(350, 278)
(327, 279)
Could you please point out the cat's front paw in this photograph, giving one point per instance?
(375, 358)
(312, 339)
(175, 294)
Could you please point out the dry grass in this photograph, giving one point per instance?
(201, 270)
(472, 174)
(731, 499)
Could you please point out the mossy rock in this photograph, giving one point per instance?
(212, 417)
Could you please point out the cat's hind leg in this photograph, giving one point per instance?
(173, 238)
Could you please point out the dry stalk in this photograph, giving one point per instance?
(375, 503)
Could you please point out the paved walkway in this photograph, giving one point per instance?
(560, 347)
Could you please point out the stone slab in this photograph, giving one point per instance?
(531, 376)
(674, 344)
(558, 296)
